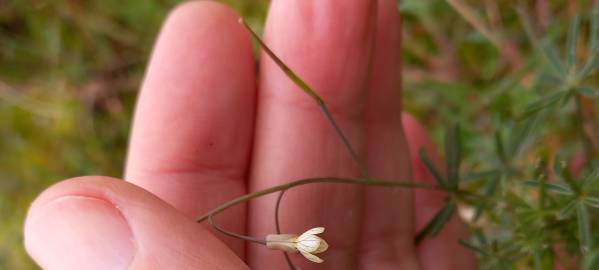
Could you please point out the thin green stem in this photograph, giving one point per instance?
(332, 180)
(278, 228)
(235, 235)
(277, 206)
(308, 90)
(361, 166)
(289, 262)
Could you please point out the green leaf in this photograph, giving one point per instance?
(572, 41)
(431, 168)
(592, 202)
(591, 64)
(586, 91)
(474, 248)
(310, 92)
(452, 153)
(550, 54)
(442, 218)
(567, 211)
(542, 193)
(591, 178)
(544, 102)
(489, 190)
(478, 176)
(499, 147)
(552, 187)
(591, 261)
(594, 38)
(437, 222)
(545, 48)
(584, 228)
(479, 235)
(567, 98)
(519, 135)
(288, 71)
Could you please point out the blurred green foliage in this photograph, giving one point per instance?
(521, 79)
(69, 71)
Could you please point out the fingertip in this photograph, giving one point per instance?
(90, 231)
(75, 230)
(105, 223)
(199, 12)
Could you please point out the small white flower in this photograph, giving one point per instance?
(307, 243)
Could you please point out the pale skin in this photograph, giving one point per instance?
(207, 129)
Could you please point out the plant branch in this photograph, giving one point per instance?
(332, 180)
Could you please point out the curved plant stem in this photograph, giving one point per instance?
(278, 228)
(277, 205)
(332, 180)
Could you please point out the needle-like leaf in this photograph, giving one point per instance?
(592, 202)
(552, 57)
(589, 180)
(566, 211)
(437, 222)
(594, 38)
(591, 64)
(552, 187)
(584, 228)
(308, 90)
(519, 136)
(586, 91)
(544, 103)
(591, 260)
(431, 167)
(474, 248)
(572, 42)
(452, 154)
(499, 147)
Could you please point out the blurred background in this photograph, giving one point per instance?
(70, 71)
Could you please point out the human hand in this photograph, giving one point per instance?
(205, 132)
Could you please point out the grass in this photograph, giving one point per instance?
(69, 71)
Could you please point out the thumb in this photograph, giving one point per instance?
(105, 223)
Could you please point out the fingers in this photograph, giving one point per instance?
(387, 232)
(193, 126)
(328, 43)
(104, 223)
(441, 251)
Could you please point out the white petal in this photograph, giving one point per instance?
(317, 230)
(308, 243)
(311, 257)
(322, 247)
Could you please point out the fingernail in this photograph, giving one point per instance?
(77, 232)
